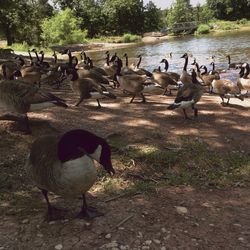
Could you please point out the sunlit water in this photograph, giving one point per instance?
(235, 43)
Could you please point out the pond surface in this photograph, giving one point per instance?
(235, 43)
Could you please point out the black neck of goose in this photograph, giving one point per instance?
(138, 64)
(55, 58)
(4, 71)
(194, 77)
(126, 60)
(74, 61)
(119, 67)
(37, 57)
(42, 57)
(30, 56)
(107, 59)
(213, 66)
(247, 72)
(241, 73)
(70, 57)
(84, 56)
(90, 62)
(166, 65)
(185, 64)
(197, 67)
(205, 70)
(229, 59)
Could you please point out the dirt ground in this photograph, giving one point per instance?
(185, 215)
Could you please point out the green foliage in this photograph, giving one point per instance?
(203, 29)
(25, 47)
(63, 28)
(224, 25)
(181, 11)
(242, 21)
(129, 38)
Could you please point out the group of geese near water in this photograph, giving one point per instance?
(64, 164)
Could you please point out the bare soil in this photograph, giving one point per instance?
(216, 216)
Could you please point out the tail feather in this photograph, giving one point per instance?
(173, 106)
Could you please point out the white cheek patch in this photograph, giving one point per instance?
(97, 154)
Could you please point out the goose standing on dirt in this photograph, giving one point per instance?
(19, 98)
(87, 88)
(188, 96)
(134, 84)
(226, 89)
(65, 166)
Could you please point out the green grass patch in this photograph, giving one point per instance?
(24, 47)
(130, 38)
(224, 25)
(203, 29)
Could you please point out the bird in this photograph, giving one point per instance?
(20, 98)
(134, 84)
(64, 164)
(173, 75)
(226, 89)
(141, 71)
(87, 88)
(188, 96)
(232, 65)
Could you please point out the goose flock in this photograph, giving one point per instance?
(64, 164)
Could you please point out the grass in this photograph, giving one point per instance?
(23, 47)
(224, 25)
(203, 29)
(126, 38)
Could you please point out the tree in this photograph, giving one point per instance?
(63, 28)
(180, 11)
(152, 17)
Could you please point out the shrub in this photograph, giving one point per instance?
(243, 21)
(63, 28)
(129, 38)
(203, 29)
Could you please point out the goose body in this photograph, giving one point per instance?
(18, 97)
(64, 165)
(244, 80)
(188, 96)
(173, 75)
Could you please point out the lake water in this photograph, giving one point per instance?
(235, 43)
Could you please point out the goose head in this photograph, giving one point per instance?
(41, 52)
(184, 55)
(163, 60)
(33, 50)
(77, 143)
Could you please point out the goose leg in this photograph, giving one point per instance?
(53, 213)
(195, 110)
(79, 102)
(132, 99)
(221, 96)
(228, 101)
(185, 114)
(88, 212)
(165, 91)
(99, 105)
(143, 98)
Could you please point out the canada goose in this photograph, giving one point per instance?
(164, 80)
(37, 57)
(185, 77)
(232, 65)
(127, 70)
(87, 88)
(173, 75)
(20, 98)
(188, 96)
(109, 69)
(73, 61)
(208, 78)
(134, 84)
(226, 89)
(96, 69)
(64, 165)
(29, 77)
(244, 80)
(42, 63)
(141, 71)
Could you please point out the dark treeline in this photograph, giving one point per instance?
(22, 21)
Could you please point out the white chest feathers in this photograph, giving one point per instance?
(77, 176)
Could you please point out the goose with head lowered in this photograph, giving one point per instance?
(188, 96)
(135, 85)
(64, 164)
(87, 88)
(17, 98)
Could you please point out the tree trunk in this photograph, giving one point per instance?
(8, 35)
